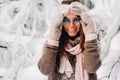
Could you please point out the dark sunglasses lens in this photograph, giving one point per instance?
(78, 18)
(65, 20)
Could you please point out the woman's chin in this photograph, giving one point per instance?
(72, 34)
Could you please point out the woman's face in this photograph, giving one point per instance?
(71, 24)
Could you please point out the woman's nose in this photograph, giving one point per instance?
(71, 24)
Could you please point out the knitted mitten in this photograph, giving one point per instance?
(88, 27)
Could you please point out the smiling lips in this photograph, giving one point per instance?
(72, 31)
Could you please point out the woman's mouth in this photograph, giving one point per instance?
(72, 30)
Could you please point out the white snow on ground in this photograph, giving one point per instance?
(31, 73)
(3, 71)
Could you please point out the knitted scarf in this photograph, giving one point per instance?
(65, 66)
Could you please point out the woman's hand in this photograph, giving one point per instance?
(55, 30)
(88, 26)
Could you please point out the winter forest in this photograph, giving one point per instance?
(24, 27)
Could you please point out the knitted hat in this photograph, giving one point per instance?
(71, 8)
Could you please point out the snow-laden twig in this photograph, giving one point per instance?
(111, 32)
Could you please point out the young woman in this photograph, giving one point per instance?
(71, 52)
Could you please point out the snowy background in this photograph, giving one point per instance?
(24, 27)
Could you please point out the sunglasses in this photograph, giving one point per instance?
(67, 21)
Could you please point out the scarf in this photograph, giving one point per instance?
(65, 66)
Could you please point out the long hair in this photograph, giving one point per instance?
(64, 39)
(62, 43)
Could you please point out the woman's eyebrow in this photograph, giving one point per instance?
(65, 17)
(71, 18)
(75, 17)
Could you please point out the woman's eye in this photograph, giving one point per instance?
(77, 19)
(65, 20)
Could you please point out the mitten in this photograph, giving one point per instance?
(88, 27)
(55, 30)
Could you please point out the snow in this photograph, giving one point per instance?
(24, 28)
(31, 73)
(2, 71)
